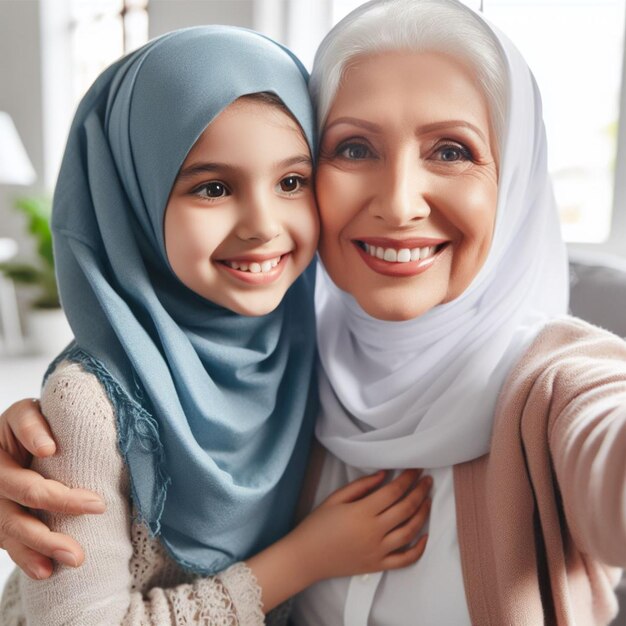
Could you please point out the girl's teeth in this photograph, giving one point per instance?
(404, 255)
(254, 267)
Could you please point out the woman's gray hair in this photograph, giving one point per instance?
(444, 26)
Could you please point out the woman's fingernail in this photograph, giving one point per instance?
(94, 506)
(65, 557)
(42, 441)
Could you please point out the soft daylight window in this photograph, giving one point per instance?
(102, 31)
(575, 51)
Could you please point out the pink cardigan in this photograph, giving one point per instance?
(542, 517)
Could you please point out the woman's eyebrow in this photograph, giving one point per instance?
(210, 168)
(435, 126)
(354, 121)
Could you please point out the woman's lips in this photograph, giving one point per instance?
(256, 270)
(400, 258)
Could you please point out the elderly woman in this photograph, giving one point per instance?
(442, 332)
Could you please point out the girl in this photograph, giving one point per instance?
(183, 219)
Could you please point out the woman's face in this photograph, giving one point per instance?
(241, 222)
(407, 183)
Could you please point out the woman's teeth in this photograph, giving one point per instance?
(404, 255)
(254, 267)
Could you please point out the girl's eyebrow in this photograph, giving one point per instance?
(208, 168)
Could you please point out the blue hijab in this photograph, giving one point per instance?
(214, 409)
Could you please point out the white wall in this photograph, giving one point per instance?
(166, 15)
(20, 97)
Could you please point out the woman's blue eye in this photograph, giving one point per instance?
(214, 189)
(449, 154)
(354, 151)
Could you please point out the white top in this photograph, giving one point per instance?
(429, 592)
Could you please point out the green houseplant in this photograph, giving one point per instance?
(47, 329)
(40, 274)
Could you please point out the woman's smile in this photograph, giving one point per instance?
(399, 258)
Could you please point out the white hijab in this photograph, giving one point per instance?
(422, 393)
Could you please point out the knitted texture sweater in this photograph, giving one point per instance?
(127, 577)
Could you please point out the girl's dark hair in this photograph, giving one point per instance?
(271, 99)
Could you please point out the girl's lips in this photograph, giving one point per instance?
(396, 268)
(258, 277)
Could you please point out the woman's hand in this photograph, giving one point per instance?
(24, 432)
(360, 528)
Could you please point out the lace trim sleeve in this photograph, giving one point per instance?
(231, 599)
(243, 588)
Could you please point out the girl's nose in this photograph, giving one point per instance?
(259, 220)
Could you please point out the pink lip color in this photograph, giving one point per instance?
(255, 258)
(387, 268)
(261, 278)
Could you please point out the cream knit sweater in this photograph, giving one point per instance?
(127, 577)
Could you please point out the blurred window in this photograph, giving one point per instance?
(102, 31)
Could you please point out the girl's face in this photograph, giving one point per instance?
(241, 222)
(407, 183)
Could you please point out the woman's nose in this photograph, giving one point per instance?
(259, 219)
(402, 196)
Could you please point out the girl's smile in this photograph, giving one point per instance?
(258, 269)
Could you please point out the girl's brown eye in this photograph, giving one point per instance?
(289, 184)
(212, 190)
(215, 189)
